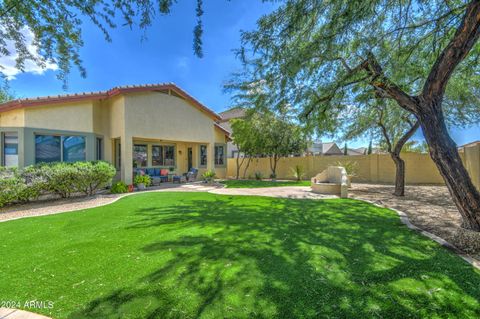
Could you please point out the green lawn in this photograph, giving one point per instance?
(189, 255)
(233, 183)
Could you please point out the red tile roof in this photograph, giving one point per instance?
(38, 101)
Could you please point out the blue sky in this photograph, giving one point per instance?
(167, 56)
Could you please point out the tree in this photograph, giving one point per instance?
(388, 124)
(56, 27)
(345, 149)
(246, 135)
(319, 55)
(281, 138)
(369, 150)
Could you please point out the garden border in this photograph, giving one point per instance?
(406, 221)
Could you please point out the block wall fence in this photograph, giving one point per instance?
(373, 168)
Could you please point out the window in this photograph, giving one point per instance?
(52, 148)
(47, 149)
(10, 149)
(169, 155)
(157, 155)
(99, 149)
(163, 155)
(140, 155)
(203, 155)
(219, 155)
(73, 148)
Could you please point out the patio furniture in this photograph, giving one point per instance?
(179, 178)
(191, 175)
(164, 175)
(332, 181)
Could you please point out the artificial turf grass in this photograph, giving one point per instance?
(183, 255)
(249, 183)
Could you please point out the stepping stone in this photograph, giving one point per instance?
(7, 313)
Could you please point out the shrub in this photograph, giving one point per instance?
(119, 188)
(60, 178)
(298, 172)
(91, 176)
(258, 176)
(8, 184)
(209, 176)
(142, 179)
(350, 167)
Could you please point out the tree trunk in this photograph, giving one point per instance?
(399, 174)
(246, 166)
(239, 164)
(444, 153)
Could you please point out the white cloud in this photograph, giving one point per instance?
(7, 63)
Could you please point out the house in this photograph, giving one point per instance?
(320, 148)
(226, 116)
(157, 126)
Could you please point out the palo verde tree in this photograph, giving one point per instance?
(319, 55)
(56, 27)
(386, 123)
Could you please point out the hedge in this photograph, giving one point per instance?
(61, 179)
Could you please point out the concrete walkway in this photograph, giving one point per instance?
(7, 313)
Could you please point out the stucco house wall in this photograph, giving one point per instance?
(119, 118)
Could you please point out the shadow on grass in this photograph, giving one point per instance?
(242, 257)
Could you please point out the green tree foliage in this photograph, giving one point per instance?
(345, 149)
(416, 147)
(322, 56)
(265, 133)
(57, 27)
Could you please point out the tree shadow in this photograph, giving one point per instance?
(242, 257)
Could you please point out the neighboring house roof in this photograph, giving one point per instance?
(162, 87)
(468, 144)
(233, 113)
(331, 148)
(354, 152)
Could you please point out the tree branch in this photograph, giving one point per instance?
(462, 42)
(398, 147)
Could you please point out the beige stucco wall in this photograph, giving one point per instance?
(154, 114)
(67, 117)
(375, 168)
(13, 118)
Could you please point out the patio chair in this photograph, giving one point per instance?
(163, 175)
(191, 175)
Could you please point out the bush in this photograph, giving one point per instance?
(258, 176)
(209, 176)
(62, 179)
(119, 188)
(142, 179)
(91, 176)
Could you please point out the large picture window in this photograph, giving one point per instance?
(163, 155)
(203, 155)
(140, 155)
(53, 148)
(73, 148)
(48, 149)
(10, 149)
(219, 155)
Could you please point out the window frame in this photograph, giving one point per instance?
(224, 147)
(146, 153)
(62, 138)
(3, 144)
(163, 155)
(200, 155)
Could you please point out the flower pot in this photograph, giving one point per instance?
(141, 186)
(349, 180)
(130, 188)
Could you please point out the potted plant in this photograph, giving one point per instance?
(209, 176)
(142, 181)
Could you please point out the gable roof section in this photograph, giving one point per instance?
(99, 95)
(233, 113)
